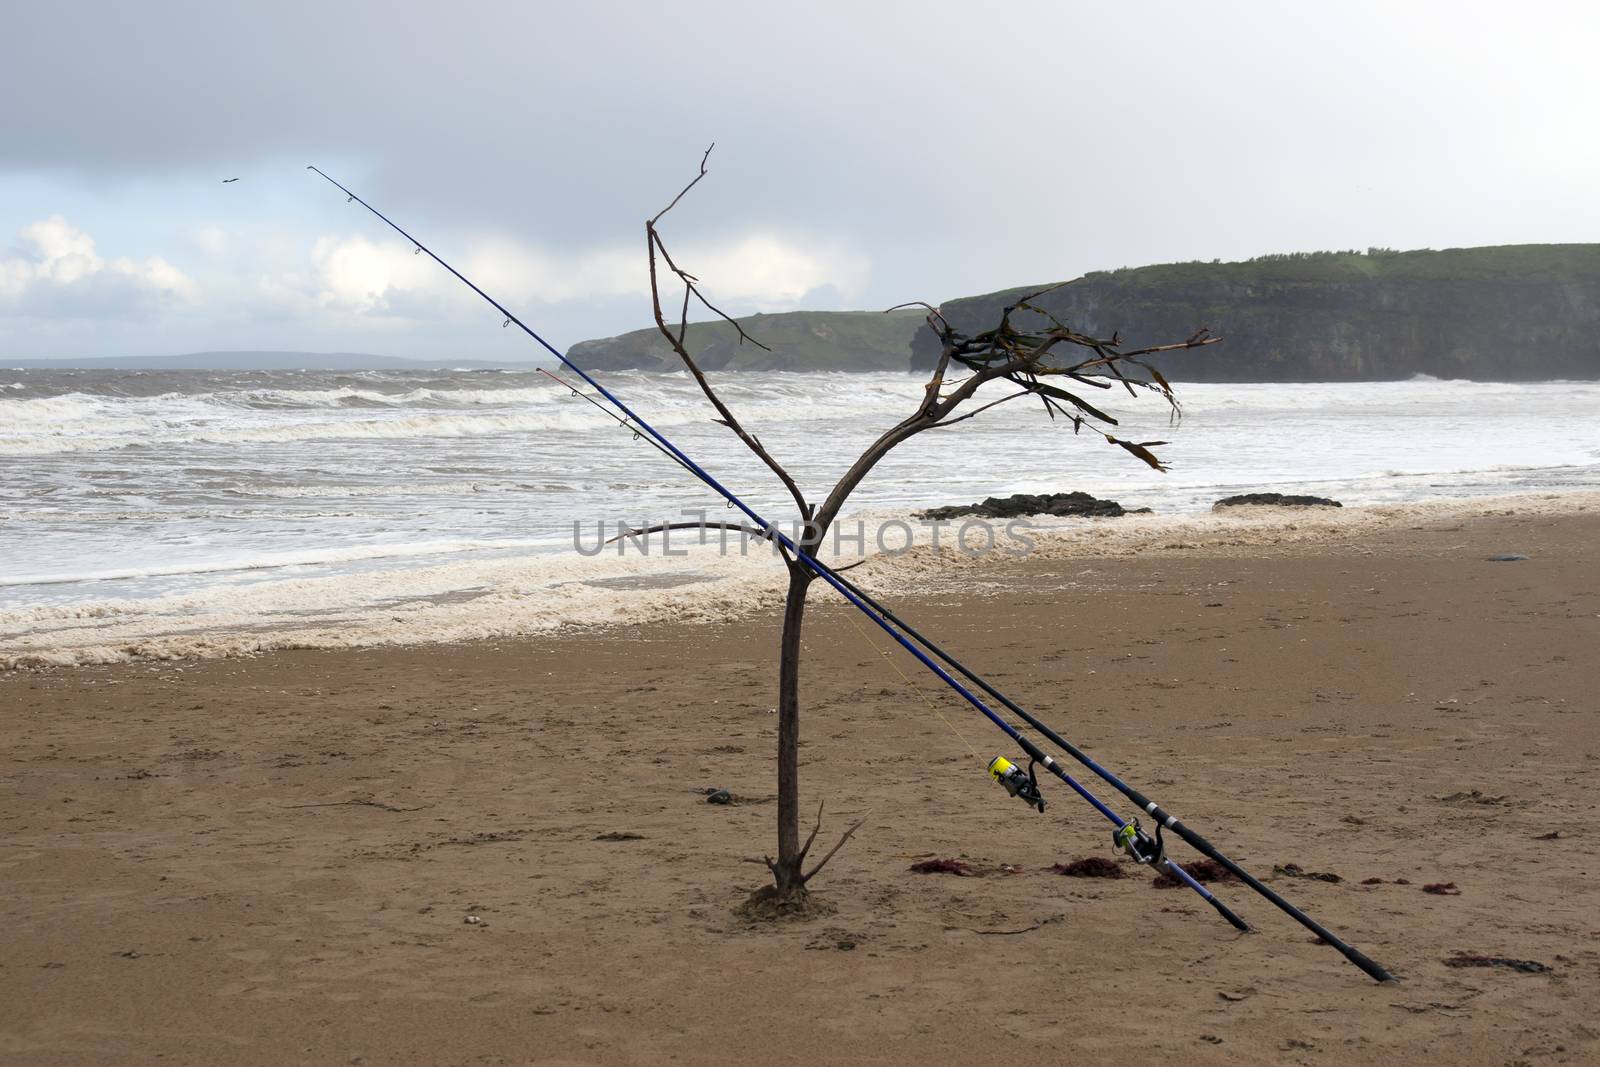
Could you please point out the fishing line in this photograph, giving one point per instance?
(1129, 836)
(887, 655)
(1126, 837)
(608, 413)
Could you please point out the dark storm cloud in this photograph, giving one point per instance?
(571, 125)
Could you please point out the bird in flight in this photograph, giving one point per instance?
(225, 181)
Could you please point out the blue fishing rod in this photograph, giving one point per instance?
(1129, 835)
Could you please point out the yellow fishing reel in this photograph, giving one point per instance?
(1140, 846)
(1016, 782)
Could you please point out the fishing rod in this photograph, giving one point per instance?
(1130, 837)
(1163, 818)
(1019, 784)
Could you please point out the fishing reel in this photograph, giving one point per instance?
(1018, 784)
(1140, 846)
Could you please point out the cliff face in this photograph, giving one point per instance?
(800, 340)
(1509, 313)
(1517, 312)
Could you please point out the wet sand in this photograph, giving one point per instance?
(273, 860)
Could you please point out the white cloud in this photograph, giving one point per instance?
(58, 272)
(364, 276)
(764, 271)
(770, 272)
(211, 239)
(271, 285)
(505, 267)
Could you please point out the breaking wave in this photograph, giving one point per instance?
(89, 422)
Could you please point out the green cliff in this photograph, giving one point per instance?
(1515, 312)
(800, 340)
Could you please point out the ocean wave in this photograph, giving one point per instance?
(200, 468)
(84, 422)
(51, 410)
(405, 490)
(345, 395)
(156, 432)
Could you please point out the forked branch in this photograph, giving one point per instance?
(810, 840)
(675, 337)
(1021, 358)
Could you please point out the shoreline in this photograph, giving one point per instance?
(272, 858)
(517, 597)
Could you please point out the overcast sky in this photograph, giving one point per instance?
(867, 154)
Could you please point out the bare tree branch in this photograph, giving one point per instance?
(1008, 354)
(811, 839)
(691, 286)
(979, 411)
(933, 312)
(1025, 346)
(823, 862)
(676, 339)
(685, 190)
(813, 835)
(1027, 301)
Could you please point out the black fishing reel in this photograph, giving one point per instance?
(1140, 846)
(1018, 784)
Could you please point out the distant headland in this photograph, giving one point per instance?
(1503, 313)
(1511, 312)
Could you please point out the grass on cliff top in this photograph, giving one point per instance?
(1501, 262)
(809, 340)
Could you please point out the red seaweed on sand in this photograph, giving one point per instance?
(1089, 867)
(1199, 870)
(942, 866)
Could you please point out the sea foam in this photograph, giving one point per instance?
(165, 511)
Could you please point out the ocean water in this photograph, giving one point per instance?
(172, 512)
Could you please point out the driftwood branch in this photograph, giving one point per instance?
(685, 190)
(823, 862)
(676, 337)
(805, 848)
(980, 411)
(1034, 354)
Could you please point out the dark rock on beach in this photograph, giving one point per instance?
(1023, 504)
(1276, 500)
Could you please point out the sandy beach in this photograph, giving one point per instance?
(501, 852)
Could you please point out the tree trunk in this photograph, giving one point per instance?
(786, 871)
